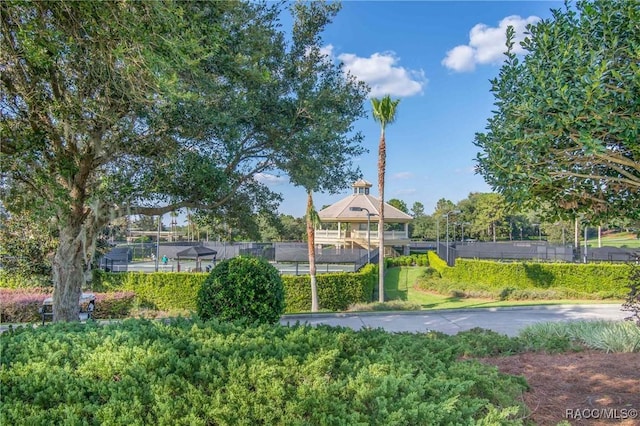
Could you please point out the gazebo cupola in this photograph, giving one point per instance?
(361, 186)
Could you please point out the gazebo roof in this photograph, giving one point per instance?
(197, 252)
(341, 211)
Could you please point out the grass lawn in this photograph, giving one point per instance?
(619, 239)
(399, 285)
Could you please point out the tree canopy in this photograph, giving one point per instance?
(565, 132)
(118, 108)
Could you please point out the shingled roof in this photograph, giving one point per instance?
(341, 211)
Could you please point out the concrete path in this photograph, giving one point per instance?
(507, 321)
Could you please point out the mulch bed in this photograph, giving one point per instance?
(583, 388)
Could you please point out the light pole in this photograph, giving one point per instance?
(462, 231)
(359, 209)
(455, 227)
(539, 231)
(586, 227)
(158, 241)
(438, 235)
(447, 216)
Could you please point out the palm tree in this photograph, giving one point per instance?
(384, 112)
(312, 220)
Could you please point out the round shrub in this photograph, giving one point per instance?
(247, 288)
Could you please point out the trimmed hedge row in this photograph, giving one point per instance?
(436, 262)
(593, 280)
(411, 260)
(178, 290)
(10, 280)
(23, 305)
(336, 292)
(159, 290)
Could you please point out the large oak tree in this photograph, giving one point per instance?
(117, 108)
(565, 132)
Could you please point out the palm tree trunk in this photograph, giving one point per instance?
(382, 164)
(311, 245)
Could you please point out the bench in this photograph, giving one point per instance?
(87, 306)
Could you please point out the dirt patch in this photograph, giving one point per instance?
(584, 388)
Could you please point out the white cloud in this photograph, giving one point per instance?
(460, 58)
(402, 175)
(269, 179)
(405, 191)
(327, 50)
(382, 73)
(487, 44)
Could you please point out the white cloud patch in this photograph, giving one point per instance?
(487, 44)
(327, 50)
(269, 179)
(382, 73)
(406, 191)
(402, 175)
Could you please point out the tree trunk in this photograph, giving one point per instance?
(311, 245)
(382, 164)
(68, 274)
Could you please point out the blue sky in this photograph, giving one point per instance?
(438, 58)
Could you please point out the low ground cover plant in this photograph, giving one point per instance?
(391, 305)
(632, 301)
(193, 372)
(607, 336)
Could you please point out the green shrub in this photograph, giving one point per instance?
(190, 372)
(478, 342)
(411, 260)
(12, 280)
(169, 291)
(430, 272)
(608, 336)
(163, 291)
(242, 288)
(23, 305)
(336, 292)
(526, 280)
(586, 279)
(437, 263)
(632, 301)
(392, 305)
(113, 305)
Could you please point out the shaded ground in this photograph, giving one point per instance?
(576, 387)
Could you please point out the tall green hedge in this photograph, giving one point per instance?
(12, 280)
(336, 292)
(158, 290)
(436, 262)
(593, 280)
(178, 290)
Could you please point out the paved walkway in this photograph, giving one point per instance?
(507, 321)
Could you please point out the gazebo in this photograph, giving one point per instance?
(197, 253)
(344, 223)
